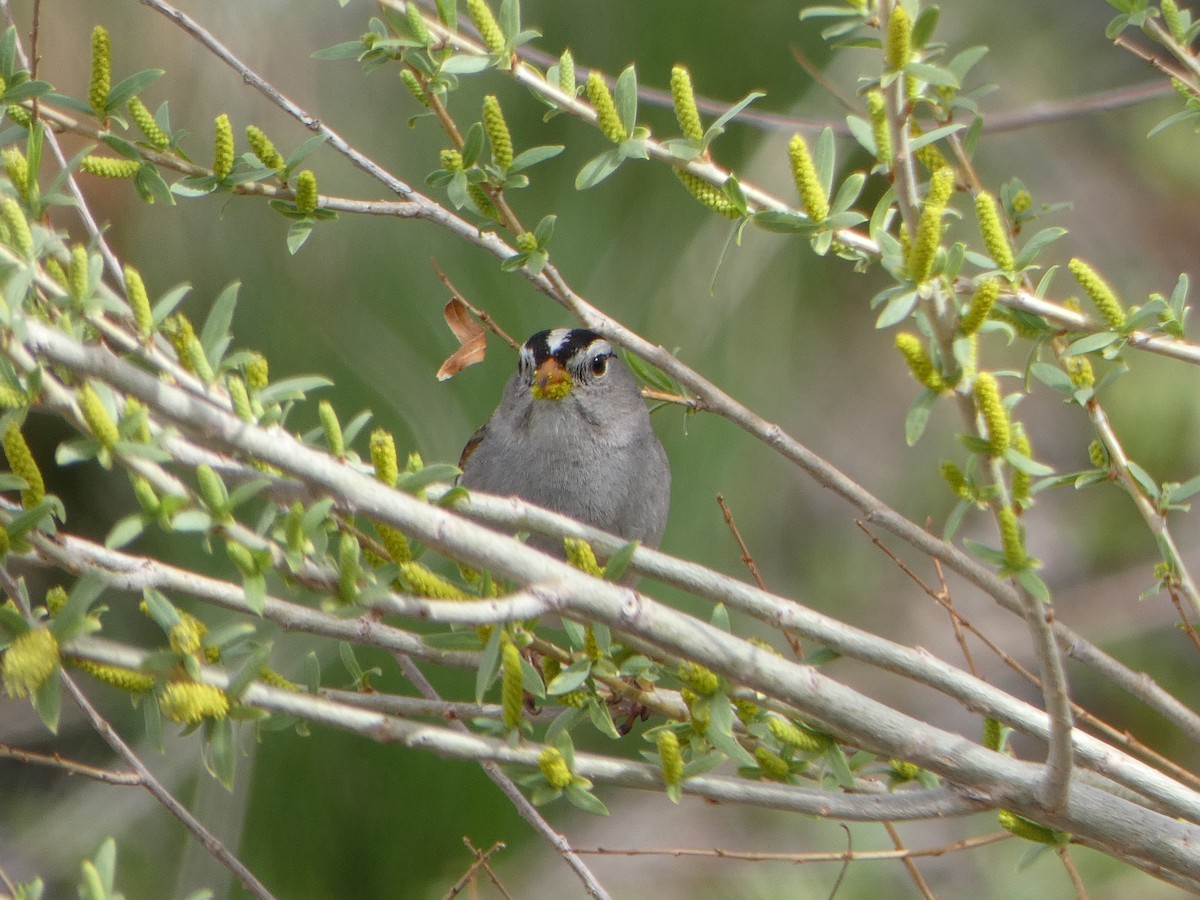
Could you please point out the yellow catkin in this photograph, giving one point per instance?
(12, 398)
(919, 361)
(995, 417)
(512, 694)
(192, 702)
(941, 187)
(416, 23)
(20, 237)
(695, 676)
(134, 407)
(683, 98)
(485, 22)
(29, 660)
(1173, 20)
(1098, 455)
(711, 196)
(383, 456)
(580, 554)
(1030, 830)
(222, 147)
(1010, 537)
(78, 274)
(306, 193)
(55, 270)
(56, 599)
(101, 77)
(126, 679)
(497, 132)
(877, 112)
(332, 428)
(670, 757)
(274, 679)
(187, 635)
(99, 422)
(147, 125)
(606, 108)
(981, 306)
(898, 44)
(256, 371)
(923, 250)
(139, 301)
(526, 242)
(23, 465)
(422, 582)
(953, 476)
(1022, 481)
(771, 763)
(928, 155)
(263, 148)
(904, 771)
(109, 167)
(413, 83)
(993, 734)
(566, 73)
(1102, 295)
(1079, 370)
(791, 735)
(553, 766)
(804, 174)
(16, 167)
(992, 231)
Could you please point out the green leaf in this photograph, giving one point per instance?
(465, 64)
(583, 799)
(255, 589)
(936, 134)
(923, 28)
(602, 718)
(411, 482)
(625, 97)
(1029, 252)
(533, 156)
(171, 299)
(824, 157)
(839, 766)
(304, 150)
(717, 128)
(130, 87)
(897, 309)
(47, 700)
(598, 168)
(297, 234)
(1053, 377)
(344, 50)
(250, 670)
(217, 323)
(918, 416)
(489, 664)
(292, 388)
(935, 75)
(618, 563)
(1023, 463)
(1032, 582)
(782, 221)
(71, 620)
(1091, 343)
(220, 755)
(570, 678)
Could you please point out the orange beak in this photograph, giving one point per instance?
(551, 381)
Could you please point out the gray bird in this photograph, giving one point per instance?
(572, 434)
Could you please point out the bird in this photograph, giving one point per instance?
(572, 434)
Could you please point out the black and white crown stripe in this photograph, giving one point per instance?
(575, 349)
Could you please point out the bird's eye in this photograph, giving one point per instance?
(599, 364)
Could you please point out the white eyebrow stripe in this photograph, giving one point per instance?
(556, 338)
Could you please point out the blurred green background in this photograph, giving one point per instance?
(787, 333)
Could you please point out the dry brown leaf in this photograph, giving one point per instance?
(472, 338)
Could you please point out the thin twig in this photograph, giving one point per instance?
(803, 858)
(1064, 855)
(207, 839)
(508, 787)
(70, 766)
(909, 864)
(747, 559)
(482, 315)
(481, 861)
